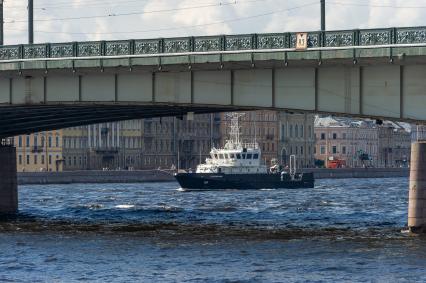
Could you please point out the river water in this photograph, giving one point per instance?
(343, 230)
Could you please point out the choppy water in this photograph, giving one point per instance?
(343, 230)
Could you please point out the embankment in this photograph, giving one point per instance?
(348, 173)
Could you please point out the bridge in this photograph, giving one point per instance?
(376, 73)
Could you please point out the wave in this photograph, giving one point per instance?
(125, 206)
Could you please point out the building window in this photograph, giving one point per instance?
(344, 136)
(334, 149)
(20, 159)
(28, 160)
(27, 141)
(301, 150)
(50, 141)
(20, 141)
(344, 149)
(35, 141)
(302, 134)
(322, 150)
(296, 131)
(42, 159)
(35, 159)
(323, 136)
(334, 136)
(50, 159)
(57, 141)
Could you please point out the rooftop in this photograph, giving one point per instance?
(344, 122)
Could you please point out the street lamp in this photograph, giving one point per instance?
(1, 23)
(322, 15)
(30, 22)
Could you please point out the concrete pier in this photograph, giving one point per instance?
(417, 194)
(8, 180)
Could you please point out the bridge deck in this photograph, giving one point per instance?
(230, 43)
(365, 73)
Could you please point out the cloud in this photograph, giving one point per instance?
(221, 17)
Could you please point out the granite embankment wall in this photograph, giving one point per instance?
(348, 173)
(167, 176)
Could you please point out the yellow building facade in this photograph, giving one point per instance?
(39, 152)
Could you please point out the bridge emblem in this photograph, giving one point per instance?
(301, 41)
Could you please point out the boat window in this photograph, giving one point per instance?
(238, 156)
(244, 156)
(249, 155)
(220, 156)
(256, 156)
(232, 156)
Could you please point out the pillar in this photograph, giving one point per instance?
(8, 180)
(417, 193)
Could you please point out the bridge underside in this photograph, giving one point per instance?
(29, 119)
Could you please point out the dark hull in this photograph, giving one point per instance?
(197, 181)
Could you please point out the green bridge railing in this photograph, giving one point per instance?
(347, 38)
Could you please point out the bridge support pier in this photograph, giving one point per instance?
(8, 180)
(417, 193)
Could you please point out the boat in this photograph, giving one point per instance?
(239, 166)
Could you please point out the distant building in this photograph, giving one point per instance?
(358, 143)
(279, 135)
(39, 152)
(165, 143)
(297, 137)
(103, 146)
(418, 133)
(141, 144)
(353, 142)
(394, 145)
(179, 142)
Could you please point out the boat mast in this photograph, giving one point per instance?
(234, 135)
(255, 129)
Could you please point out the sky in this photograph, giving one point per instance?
(83, 20)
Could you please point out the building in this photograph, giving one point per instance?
(109, 146)
(353, 142)
(181, 142)
(279, 135)
(168, 142)
(359, 143)
(394, 144)
(39, 152)
(256, 126)
(418, 133)
(297, 138)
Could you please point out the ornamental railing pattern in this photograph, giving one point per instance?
(231, 43)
